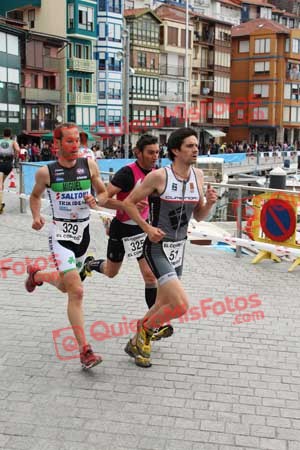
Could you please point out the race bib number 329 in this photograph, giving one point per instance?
(69, 231)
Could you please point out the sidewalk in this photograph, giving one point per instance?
(214, 385)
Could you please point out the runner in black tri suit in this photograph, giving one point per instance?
(68, 182)
(125, 236)
(9, 150)
(176, 194)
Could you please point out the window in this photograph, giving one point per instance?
(34, 81)
(13, 113)
(141, 59)
(3, 74)
(296, 45)
(114, 32)
(3, 42)
(261, 90)
(262, 67)
(3, 112)
(222, 59)
(222, 84)
(87, 83)
(49, 82)
(244, 46)
(31, 18)
(260, 113)
(291, 114)
(102, 93)
(13, 76)
(287, 45)
(240, 114)
(114, 6)
(114, 118)
(182, 38)
(70, 52)
(12, 44)
(114, 64)
(86, 52)
(102, 33)
(71, 15)
(173, 36)
(78, 50)
(78, 84)
(262, 45)
(70, 84)
(102, 117)
(102, 61)
(292, 91)
(86, 18)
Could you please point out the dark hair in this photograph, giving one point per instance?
(58, 131)
(146, 139)
(176, 139)
(7, 132)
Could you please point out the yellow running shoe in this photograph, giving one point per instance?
(143, 340)
(139, 360)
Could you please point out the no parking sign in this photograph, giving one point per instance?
(278, 220)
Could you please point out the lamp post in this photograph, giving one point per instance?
(126, 91)
(186, 68)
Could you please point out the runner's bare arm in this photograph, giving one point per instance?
(16, 149)
(204, 206)
(153, 182)
(42, 180)
(97, 183)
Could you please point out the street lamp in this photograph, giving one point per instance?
(126, 90)
(186, 67)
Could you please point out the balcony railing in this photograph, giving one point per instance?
(207, 36)
(40, 95)
(82, 65)
(82, 98)
(38, 125)
(173, 122)
(175, 71)
(171, 96)
(51, 63)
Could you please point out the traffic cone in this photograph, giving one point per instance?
(12, 180)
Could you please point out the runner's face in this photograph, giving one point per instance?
(188, 151)
(69, 144)
(148, 157)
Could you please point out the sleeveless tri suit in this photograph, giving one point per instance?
(171, 212)
(69, 232)
(6, 155)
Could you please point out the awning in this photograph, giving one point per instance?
(215, 133)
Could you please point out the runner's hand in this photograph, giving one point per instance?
(142, 205)
(91, 201)
(155, 234)
(38, 223)
(211, 195)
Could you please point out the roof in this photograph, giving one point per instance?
(137, 12)
(258, 3)
(247, 28)
(175, 13)
(230, 3)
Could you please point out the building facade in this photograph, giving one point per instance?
(265, 84)
(110, 55)
(210, 83)
(173, 62)
(11, 42)
(66, 19)
(144, 30)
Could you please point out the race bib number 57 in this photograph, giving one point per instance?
(174, 252)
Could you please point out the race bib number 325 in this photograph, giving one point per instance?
(174, 252)
(134, 245)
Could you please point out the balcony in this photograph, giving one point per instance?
(171, 97)
(38, 125)
(173, 122)
(82, 65)
(51, 63)
(40, 95)
(82, 98)
(207, 36)
(175, 71)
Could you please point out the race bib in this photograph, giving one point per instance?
(174, 252)
(69, 231)
(133, 245)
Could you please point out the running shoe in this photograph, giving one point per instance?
(88, 358)
(86, 271)
(30, 284)
(139, 360)
(162, 332)
(143, 340)
(2, 208)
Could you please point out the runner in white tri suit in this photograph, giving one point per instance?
(176, 194)
(9, 150)
(68, 182)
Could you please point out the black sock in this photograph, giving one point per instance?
(96, 265)
(150, 295)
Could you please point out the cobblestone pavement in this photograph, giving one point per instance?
(214, 385)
